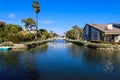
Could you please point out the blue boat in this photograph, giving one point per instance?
(5, 48)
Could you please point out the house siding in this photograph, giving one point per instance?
(85, 32)
(90, 33)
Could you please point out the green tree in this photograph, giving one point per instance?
(75, 33)
(70, 34)
(13, 29)
(22, 36)
(2, 30)
(43, 34)
(53, 34)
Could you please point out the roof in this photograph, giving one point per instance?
(104, 29)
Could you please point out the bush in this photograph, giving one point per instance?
(7, 44)
(114, 43)
(14, 38)
(20, 37)
(105, 42)
(101, 45)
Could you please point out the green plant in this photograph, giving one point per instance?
(7, 44)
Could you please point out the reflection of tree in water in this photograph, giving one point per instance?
(10, 58)
(31, 66)
(10, 64)
(91, 56)
(41, 49)
(75, 50)
(19, 65)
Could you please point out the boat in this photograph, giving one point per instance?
(5, 48)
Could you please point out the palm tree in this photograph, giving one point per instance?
(29, 22)
(36, 7)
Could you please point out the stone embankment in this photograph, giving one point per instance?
(19, 46)
(28, 45)
(100, 46)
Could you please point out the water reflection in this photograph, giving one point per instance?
(91, 56)
(30, 66)
(3, 51)
(97, 62)
(59, 44)
(60, 60)
(43, 48)
(75, 50)
(108, 66)
(108, 59)
(19, 65)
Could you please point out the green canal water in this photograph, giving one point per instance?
(59, 60)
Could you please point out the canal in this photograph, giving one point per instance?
(60, 60)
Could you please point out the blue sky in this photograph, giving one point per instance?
(60, 15)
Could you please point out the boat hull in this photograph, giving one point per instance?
(5, 48)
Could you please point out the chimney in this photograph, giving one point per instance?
(110, 26)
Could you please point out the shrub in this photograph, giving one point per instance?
(7, 44)
(20, 37)
(101, 45)
(105, 42)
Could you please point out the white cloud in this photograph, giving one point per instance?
(46, 22)
(11, 15)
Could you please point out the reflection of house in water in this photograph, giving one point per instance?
(118, 61)
(76, 50)
(109, 60)
(108, 67)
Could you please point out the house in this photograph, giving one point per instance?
(33, 31)
(109, 32)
